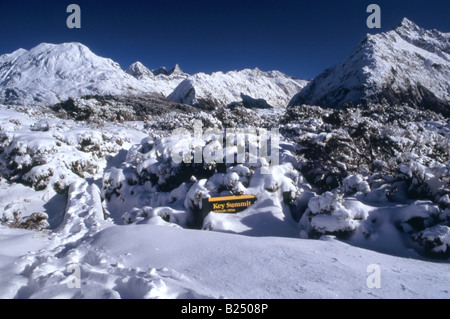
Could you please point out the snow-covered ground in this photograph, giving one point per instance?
(151, 261)
(100, 199)
(121, 215)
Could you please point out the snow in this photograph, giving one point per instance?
(162, 80)
(387, 65)
(49, 73)
(99, 190)
(142, 261)
(222, 89)
(144, 249)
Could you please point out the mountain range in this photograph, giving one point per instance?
(49, 74)
(407, 65)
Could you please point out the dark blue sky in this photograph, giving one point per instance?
(298, 37)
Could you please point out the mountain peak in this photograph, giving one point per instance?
(406, 23)
(407, 65)
(138, 70)
(62, 46)
(160, 70)
(407, 27)
(49, 73)
(176, 70)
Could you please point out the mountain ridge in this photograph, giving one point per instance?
(49, 74)
(221, 89)
(407, 65)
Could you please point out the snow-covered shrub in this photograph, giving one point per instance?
(324, 158)
(159, 216)
(429, 181)
(435, 240)
(193, 203)
(328, 214)
(229, 182)
(239, 116)
(325, 204)
(136, 215)
(114, 182)
(417, 217)
(401, 150)
(36, 221)
(50, 152)
(168, 122)
(354, 184)
(41, 125)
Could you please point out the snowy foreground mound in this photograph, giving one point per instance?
(110, 202)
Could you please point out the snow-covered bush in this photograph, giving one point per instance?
(417, 217)
(427, 224)
(329, 214)
(51, 152)
(36, 221)
(159, 216)
(401, 150)
(168, 122)
(41, 125)
(425, 181)
(354, 184)
(193, 202)
(435, 240)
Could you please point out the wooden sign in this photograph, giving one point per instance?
(227, 204)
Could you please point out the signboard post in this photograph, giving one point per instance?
(227, 204)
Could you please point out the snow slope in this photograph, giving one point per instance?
(258, 253)
(222, 89)
(407, 65)
(49, 73)
(148, 261)
(354, 188)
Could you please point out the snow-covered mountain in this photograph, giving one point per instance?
(221, 89)
(357, 205)
(408, 65)
(176, 70)
(160, 79)
(49, 73)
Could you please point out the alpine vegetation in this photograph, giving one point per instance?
(105, 176)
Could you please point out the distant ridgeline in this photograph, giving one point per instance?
(405, 66)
